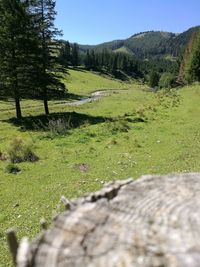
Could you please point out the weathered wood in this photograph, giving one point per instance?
(154, 221)
(12, 243)
(67, 203)
(23, 253)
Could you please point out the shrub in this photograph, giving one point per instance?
(140, 114)
(3, 157)
(168, 98)
(154, 79)
(137, 144)
(119, 126)
(167, 80)
(20, 151)
(58, 126)
(11, 168)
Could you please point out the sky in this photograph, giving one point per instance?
(97, 21)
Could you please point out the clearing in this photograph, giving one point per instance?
(126, 134)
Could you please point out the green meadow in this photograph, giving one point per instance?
(128, 133)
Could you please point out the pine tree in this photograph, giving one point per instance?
(93, 60)
(125, 64)
(114, 63)
(193, 65)
(65, 54)
(154, 79)
(87, 60)
(17, 52)
(75, 55)
(48, 72)
(184, 60)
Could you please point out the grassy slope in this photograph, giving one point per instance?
(123, 49)
(167, 142)
(84, 82)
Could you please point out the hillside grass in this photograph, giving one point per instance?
(123, 49)
(83, 82)
(126, 134)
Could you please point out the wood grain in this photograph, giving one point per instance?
(153, 221)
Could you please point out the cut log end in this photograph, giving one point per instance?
(151, 222)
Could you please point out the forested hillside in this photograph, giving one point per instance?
(148, 44)
(155, 57)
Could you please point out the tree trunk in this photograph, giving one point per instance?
(45, 100)
(46, 107)
(18, 108)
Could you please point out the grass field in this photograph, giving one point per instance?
(126, 134)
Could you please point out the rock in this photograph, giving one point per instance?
(83, 167)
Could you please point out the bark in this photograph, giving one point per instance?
(44, 48)
(46, 107)
(18, 108)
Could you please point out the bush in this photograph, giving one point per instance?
(140, 114)
(3, 157)
(154, 79)
(119, 126)
(11, 168)
(20, 151)
(58, 126)
(167, 80)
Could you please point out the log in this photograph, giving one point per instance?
(153, 221)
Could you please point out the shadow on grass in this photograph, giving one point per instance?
(66, 96)
(71, 119)
(61, 100)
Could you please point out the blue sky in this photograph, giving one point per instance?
(97, 21)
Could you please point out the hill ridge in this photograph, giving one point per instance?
(148, 44)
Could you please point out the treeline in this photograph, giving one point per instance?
(69, 54)
(192, 63)
(161, 73)
(108, 61)
(118, 64)
(187, 71)
(114, 63)
(28, 52)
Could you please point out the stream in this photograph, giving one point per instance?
(95, 96)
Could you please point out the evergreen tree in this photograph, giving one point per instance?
(48, 77)
(153, 79)
(193, 65)
(65, 54)
(75, 55)
(107, 58)
(17, 52)
(167, 80)
(125, 64)
(114, 63)
(87, 60)
(93, 60)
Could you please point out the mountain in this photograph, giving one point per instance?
(151, 44)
